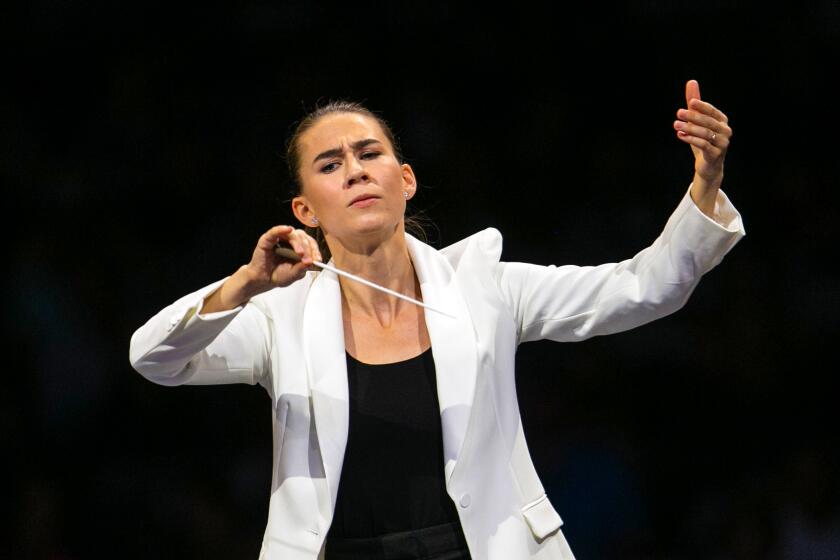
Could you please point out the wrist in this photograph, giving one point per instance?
(241, 286)
(235, 291)
(704, 192)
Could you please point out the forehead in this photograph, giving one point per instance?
(333, 131)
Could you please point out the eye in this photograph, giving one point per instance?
(328, 168)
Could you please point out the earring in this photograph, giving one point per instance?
(405, 194)
(314, 221)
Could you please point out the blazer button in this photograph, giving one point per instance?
(465, 501)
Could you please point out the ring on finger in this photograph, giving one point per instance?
(714, 135)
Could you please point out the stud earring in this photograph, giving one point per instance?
(405, 194)
(314, 221)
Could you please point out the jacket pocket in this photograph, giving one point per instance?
(541, 517)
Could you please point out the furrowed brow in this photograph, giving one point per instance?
(357, 145)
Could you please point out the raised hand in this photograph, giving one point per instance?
(706, 129)
(266, 270)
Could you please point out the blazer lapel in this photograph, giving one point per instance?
(453, 347)
(326, 364)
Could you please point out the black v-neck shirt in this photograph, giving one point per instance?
(392, 478)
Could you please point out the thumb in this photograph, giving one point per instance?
(692, 91)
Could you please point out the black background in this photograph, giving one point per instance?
(142, 158)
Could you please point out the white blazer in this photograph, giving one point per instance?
(291, 341)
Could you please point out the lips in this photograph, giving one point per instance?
(361, 198)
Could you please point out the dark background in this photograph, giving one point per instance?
(142, 158)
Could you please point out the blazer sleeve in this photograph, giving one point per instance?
(571, 303)
(180, 345)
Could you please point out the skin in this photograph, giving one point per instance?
(367, 241)
(370, 241)
(695, 125)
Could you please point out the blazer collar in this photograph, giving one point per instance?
(453, 347)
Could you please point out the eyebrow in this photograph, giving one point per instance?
(357, 145)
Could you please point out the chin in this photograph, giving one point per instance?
(374, 225)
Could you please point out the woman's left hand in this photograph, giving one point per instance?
(705, 128)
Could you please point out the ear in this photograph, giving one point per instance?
(409, 181)
(302, 210)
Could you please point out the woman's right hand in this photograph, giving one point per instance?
(266, 270)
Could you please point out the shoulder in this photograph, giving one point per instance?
(485, 245)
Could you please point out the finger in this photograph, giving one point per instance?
(307, 256)
(719, 132)
(316, 253)
(298, 243)
(272, 236)
(708, 109)
(299, 269)
(719, 139)
(294, 272)
(696, 130)
(702, 120)
(692, 91)
(711, 150)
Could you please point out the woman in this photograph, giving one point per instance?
(371, 392)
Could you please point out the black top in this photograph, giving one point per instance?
(392, 479)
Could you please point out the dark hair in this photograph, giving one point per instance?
(413, 223)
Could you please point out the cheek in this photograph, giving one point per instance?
(395, 177)
(323, 192)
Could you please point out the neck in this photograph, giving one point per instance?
(383, 261)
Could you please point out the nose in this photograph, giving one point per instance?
(355, 171)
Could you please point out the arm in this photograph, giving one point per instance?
(570, 303)
(182, 345)
(574, 303)
(215, 335)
